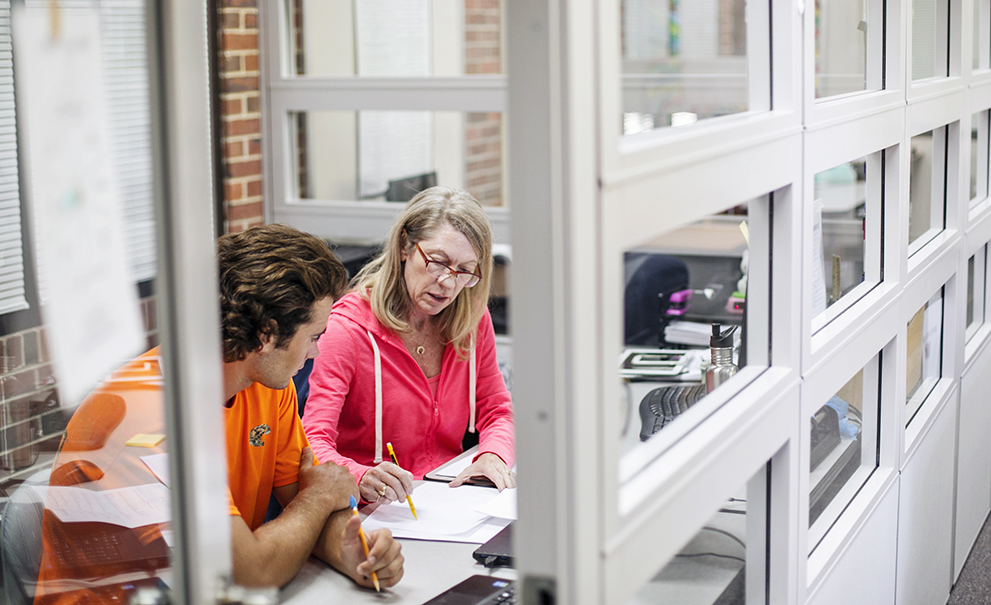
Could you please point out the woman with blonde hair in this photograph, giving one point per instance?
(409, 356)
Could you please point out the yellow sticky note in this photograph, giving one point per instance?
(145, 440)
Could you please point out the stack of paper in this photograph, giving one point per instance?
(447, 514)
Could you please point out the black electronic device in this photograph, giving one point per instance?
(403, 190)
(662, 405)
(498, 551)
(478, 590)
(825, 434)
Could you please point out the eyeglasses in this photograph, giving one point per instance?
(441, 271)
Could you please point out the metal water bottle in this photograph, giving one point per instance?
(722, 367)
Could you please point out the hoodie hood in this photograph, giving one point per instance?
(355, 308)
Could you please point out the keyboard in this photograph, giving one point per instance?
(661, 406)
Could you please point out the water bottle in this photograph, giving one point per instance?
(722, 367)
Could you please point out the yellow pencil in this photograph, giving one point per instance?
(392, 454)
(364, 542)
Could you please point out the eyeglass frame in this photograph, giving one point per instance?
(450, 271)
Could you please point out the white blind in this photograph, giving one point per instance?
(11, 256)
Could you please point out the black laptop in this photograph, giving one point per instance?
(497, 552)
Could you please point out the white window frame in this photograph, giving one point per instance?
(283, 93)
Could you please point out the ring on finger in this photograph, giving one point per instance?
(381, 491)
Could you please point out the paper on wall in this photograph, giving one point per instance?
(90, 305)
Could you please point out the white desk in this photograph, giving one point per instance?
(430, 569)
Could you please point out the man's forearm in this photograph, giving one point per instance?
(328, 545)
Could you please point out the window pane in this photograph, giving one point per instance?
(722, 563)
(841, 47)
(683, 60)
(976, 288)
(927, 194)
(843, 448)
(379, 155)
(930, 39)
(677, 288)
(979, 156)
(924, 342)
(402, 38)
(843, 218)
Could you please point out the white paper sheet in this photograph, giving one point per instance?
(442, 511)
(89, 302)
(128, 506)
(477, 535)
(159, 465)
(502, 506)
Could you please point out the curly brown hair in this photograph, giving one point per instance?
(270, 278)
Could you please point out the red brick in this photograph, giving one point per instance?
(249, 168)
(250, 20)
(240, 3)
(239, 84)
(230, 63)
(254, 147)
(236, 41)
(230, 20)
(245, 211)
(233, 191)
(230, 107)
(254, 105)
(251, 62)
(254, 188)
(239, 127)
(233, 150)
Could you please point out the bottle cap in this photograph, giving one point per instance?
(723, 339)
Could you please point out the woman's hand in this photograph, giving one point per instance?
(491, 467)
(386, 482)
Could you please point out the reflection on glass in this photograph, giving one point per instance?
(841, 213)
(391, 155)
(842, 448)
(930, 36)
(724, 562)
(927, 195)
(841, 47)
(976, 289)
(979, 156)
(407, 38)
(677, 287)
(924, 343)
(683, 61)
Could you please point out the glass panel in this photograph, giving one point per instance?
(403, 38)
(924, 343)
(841, 47)
(927, 193)
(930, 39)
(679, 288)
(976, 288)
(391, 155)
(66, 432)
(724, 562)
(843, 448)
(683, 61)
(842, 216)
(979, 156)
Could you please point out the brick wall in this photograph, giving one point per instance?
(240, 113)
(483, 131)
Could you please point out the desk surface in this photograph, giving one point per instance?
(430, 569)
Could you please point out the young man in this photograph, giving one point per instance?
(277, 286)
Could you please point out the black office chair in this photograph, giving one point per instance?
(20, 542)
(650, 278)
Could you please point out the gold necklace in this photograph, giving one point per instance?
(420, 349)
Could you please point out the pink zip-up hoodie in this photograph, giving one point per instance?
(425, 431)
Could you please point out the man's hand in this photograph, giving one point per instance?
(384, 556)
(333, 482)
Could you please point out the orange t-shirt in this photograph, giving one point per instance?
(264, 442)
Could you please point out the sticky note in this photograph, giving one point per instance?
(145, 440)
